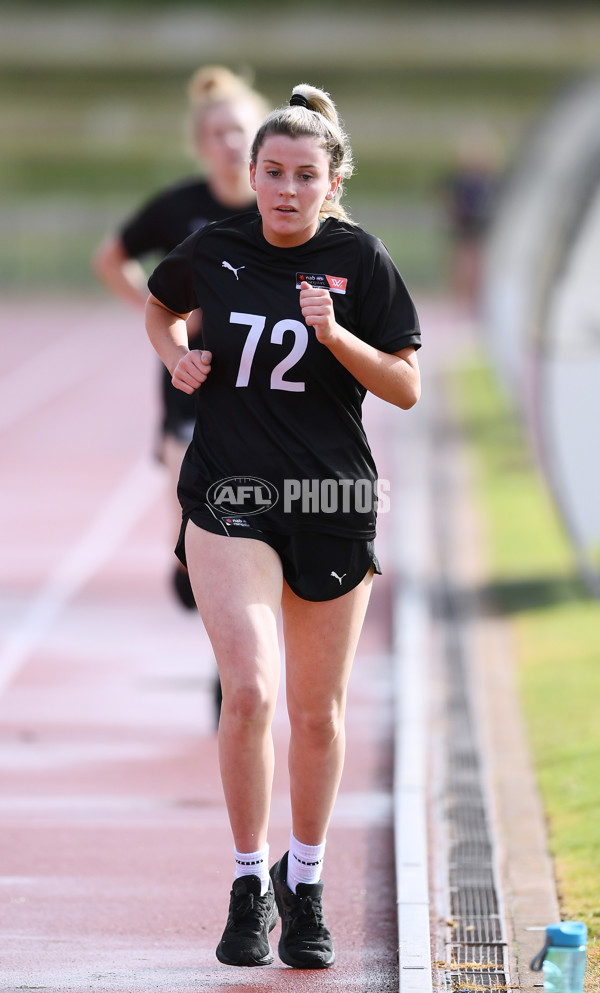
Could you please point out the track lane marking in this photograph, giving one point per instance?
(411, 628)
(133, 496)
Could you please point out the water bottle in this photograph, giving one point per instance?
(563, 957)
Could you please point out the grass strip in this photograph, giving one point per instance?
(557, 633)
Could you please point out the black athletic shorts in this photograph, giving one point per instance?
(316, 566)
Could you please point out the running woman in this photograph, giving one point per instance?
(303, 312)
(224, 113)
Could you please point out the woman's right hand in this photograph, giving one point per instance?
(191, 370)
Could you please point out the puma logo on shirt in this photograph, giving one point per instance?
(226, 265)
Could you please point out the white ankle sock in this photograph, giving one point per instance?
(253, 864)
(305, 863)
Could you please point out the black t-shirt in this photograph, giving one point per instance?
(161, 224)
(170, 217)
(279, 435)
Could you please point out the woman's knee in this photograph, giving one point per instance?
(250, 700)
(320, 725)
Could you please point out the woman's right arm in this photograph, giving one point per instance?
(168, 333)
(121, 274)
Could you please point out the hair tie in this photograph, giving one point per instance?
(298, 100)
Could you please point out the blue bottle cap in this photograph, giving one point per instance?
(568, 934)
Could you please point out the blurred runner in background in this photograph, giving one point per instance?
(224, 114)
(469, 194)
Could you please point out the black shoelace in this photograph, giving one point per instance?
(308, 914)
(247, 905)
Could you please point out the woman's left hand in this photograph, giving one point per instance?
(317, 310)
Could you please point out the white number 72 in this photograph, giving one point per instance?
(257, 323)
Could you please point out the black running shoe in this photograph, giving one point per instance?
(305, 941)
(183, 588)
(245, 939)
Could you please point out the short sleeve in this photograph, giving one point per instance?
(172, 282)
(388, 318)
(142, 234)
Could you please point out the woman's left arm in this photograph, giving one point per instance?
(392, 377)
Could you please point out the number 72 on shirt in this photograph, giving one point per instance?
(256, 326)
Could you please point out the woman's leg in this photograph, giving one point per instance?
(320, 643)
(237, 584)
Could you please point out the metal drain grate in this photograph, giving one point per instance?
(473, 967)
(475, 943)
(492, 957)
(471, 930)
(473, 940)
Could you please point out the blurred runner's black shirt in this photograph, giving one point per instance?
(170, 217)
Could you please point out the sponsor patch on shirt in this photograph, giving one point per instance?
(239, 522)
(335, 284)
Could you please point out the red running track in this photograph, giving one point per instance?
(110, 791)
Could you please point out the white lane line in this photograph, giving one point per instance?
(122, 509)
(411, 627)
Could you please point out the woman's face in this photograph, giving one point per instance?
(291, 180)
(226, 135)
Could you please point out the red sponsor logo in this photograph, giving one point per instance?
(337, 283)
